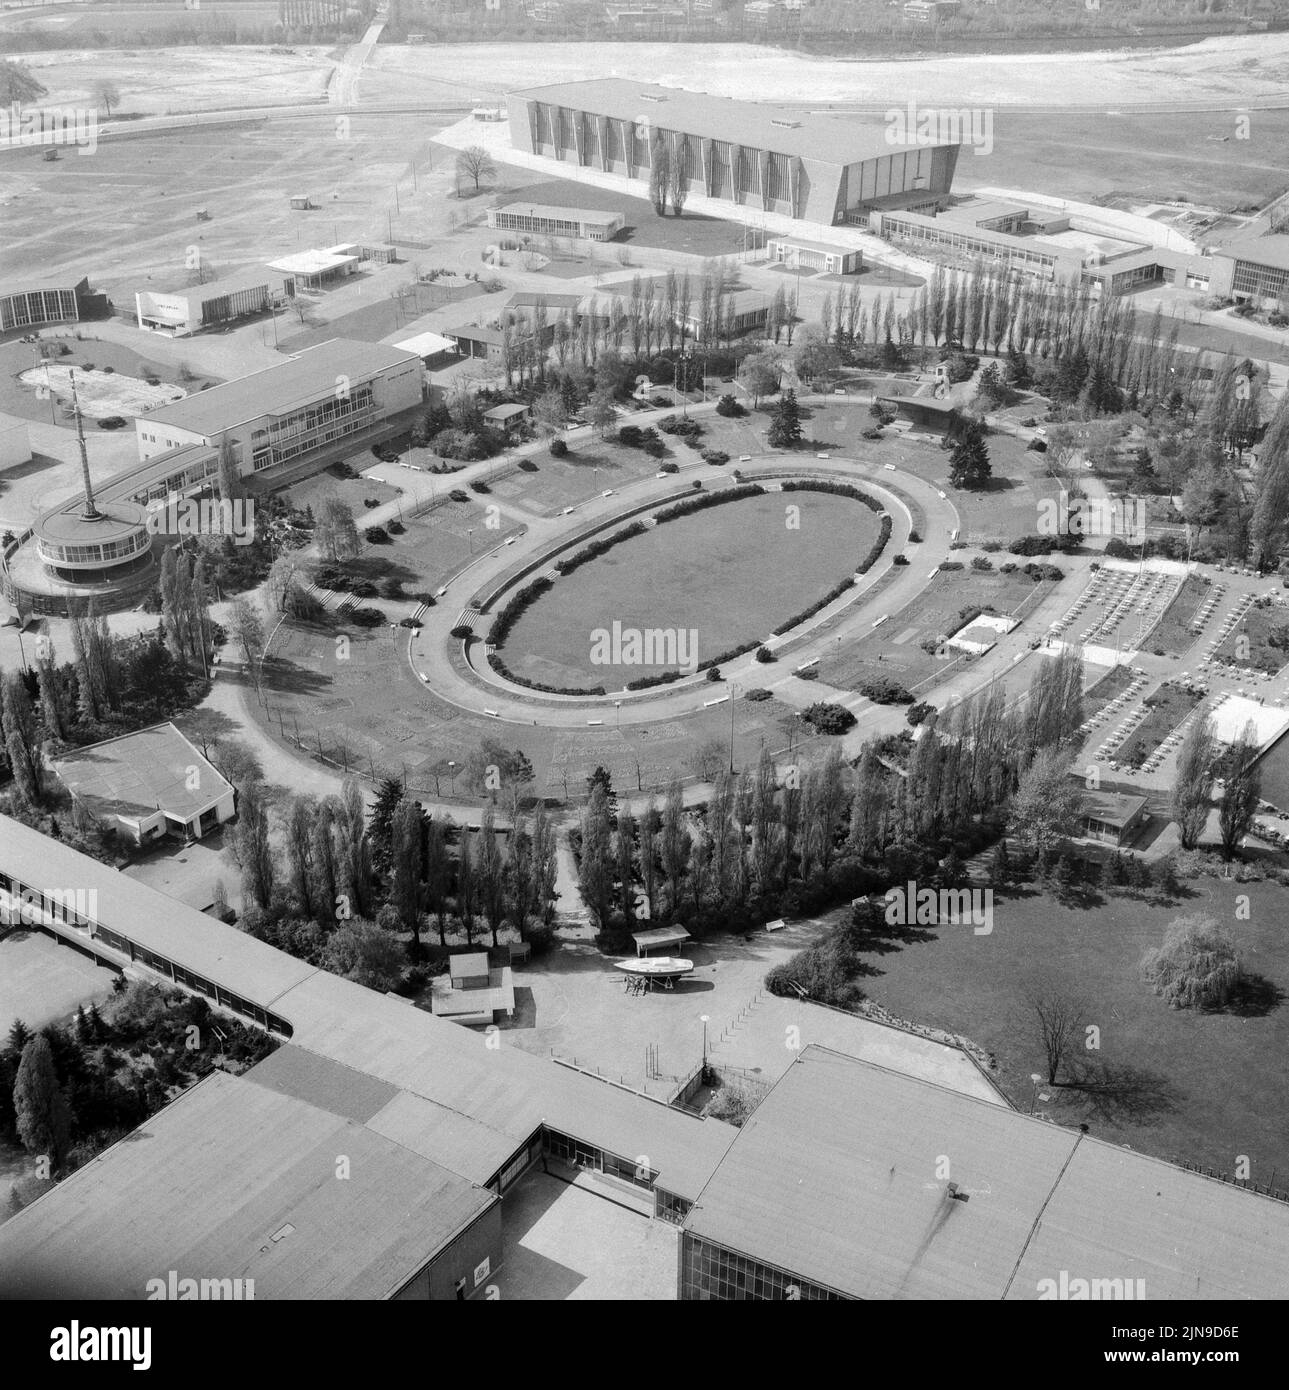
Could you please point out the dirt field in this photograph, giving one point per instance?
(1229, 69)
(134, 203)
(157, 81)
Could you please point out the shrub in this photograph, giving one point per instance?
(715, 457)
(462, 631)
(669, 467)
(376, 535)
(479, 486)
(526, 465)
(459, 495)
(883, 691)
(630, 436)
(363, 588)
(713, 673)
(396, 528)
(410, 622)
(900, 560)
(366, 617)
(425, 599)
(981, 562)
(708, 499)
(728, 407)
(917, 714)
(764, 654)
(757, 693)
(951, 564)
(826, 718)
(559, 448)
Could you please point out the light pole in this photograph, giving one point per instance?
(705, 1020)
(1035, 1080)
(734, 690)
(617, 705)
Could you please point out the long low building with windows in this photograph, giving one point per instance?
(542, 220)
(321, 395)
(443, 1120)
(217, 302)
(796, 163)
(833, 1189)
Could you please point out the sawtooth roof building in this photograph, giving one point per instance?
(816, 168)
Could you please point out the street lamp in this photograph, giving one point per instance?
(1035, 1080)
(705, 1020)
(617, 705)
(734, 691)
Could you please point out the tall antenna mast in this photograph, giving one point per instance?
(91, 512)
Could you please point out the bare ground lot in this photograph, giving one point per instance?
(154, 81)
(134, 202)
(1174, 1083)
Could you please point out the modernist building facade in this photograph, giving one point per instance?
(30, 304)
(322, 395)
(817, 168)
(217, 302)
(147, 785)
(540, 219)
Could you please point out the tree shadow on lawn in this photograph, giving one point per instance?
(1118, 1092)
(883, 940)
(1254, 997)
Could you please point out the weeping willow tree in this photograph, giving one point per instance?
(1196, 966)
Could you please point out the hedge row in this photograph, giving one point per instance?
(835, 592)
(509, 615)
(597, 548)
(708, 499)
(883, 535)
(503, 670)
(838, 489)
(668, 677)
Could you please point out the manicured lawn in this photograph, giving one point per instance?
(728, 574)
(1175, 1083)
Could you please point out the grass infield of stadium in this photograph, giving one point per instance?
(731, 574)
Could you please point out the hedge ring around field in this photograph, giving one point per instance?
(522, 599)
